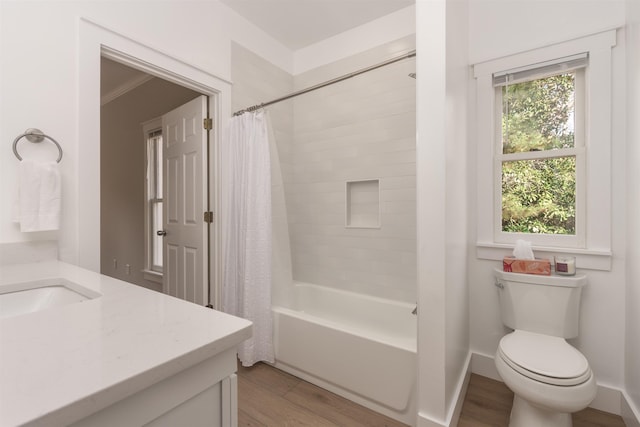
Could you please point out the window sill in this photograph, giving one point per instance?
(152, 276)
(585, 258)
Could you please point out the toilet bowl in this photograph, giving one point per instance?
(549, 378)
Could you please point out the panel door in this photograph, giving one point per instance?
(184, 186)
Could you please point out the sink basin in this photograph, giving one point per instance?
(28, 297)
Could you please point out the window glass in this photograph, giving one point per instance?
(539, 114)
(158, 165)
(539, 196)
(156, 212)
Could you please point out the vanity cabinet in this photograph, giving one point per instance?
(203, 395)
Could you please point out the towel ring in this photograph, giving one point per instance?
(35, 136)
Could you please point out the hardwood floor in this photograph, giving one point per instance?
(268, 397)
(488, 403)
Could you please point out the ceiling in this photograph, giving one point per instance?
(300, 23)
(117, 79)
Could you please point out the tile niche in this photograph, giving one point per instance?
(363, 204)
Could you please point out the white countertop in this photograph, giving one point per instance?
(64, 363)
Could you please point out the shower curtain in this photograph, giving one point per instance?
(247, 231)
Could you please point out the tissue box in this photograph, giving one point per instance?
(527, 266)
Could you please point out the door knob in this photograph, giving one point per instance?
(161, 233)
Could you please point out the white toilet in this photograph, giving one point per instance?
(549, 378)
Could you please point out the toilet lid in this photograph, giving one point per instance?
(544, 358)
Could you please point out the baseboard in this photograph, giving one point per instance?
(630, 413)
(608, 399)
(484, 365)
(461, 392)
(454, 411)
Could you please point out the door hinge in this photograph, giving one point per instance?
(208, 217)
(208, 123)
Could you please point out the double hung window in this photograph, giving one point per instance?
(540, 151)
(543, 148)
(153, 199)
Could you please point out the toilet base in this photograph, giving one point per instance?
(524, 414)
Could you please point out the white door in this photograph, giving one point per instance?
(184, 186)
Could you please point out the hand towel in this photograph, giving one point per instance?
(38, 197)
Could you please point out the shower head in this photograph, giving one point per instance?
(412, 75)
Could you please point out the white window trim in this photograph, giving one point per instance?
(595, 251)
(149, 274)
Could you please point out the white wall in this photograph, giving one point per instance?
(632, 340)
(45, 92)
(443, 327)
(499, 28)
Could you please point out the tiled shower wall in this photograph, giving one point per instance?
(359, 130)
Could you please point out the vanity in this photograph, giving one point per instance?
(81, 349)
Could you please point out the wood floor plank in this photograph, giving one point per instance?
(277, 381)
(466, 421)
(273, 410)
(246, 420)
(337, 409)
(488, 402)
(594, 418)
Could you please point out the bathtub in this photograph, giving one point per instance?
(360, 347)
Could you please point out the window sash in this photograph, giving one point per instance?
(156, 244)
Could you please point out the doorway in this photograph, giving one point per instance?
(83, 244)
(130, 98)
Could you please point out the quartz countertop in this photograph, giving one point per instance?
(64, 363)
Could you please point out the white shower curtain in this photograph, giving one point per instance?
(247, 231)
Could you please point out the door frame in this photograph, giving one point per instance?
(95, 42)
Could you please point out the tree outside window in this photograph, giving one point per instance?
(538, 172)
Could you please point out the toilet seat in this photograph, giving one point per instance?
(548, 359)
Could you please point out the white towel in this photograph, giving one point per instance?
(37, 207)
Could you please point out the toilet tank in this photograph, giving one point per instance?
(547, 305)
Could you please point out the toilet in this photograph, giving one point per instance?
(550, 378)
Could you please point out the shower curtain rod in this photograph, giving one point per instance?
(410, 54)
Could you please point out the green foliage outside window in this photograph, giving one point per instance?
(538, 195)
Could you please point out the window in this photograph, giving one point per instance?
(540, 151)
(544, 149)
(153, 199)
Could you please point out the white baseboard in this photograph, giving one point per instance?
(630, 413)
(453, 416)
(461, 392)
(484, 365)
(608, 399)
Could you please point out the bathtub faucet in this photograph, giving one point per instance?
(415, 310)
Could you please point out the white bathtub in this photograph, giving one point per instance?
(357, 346)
